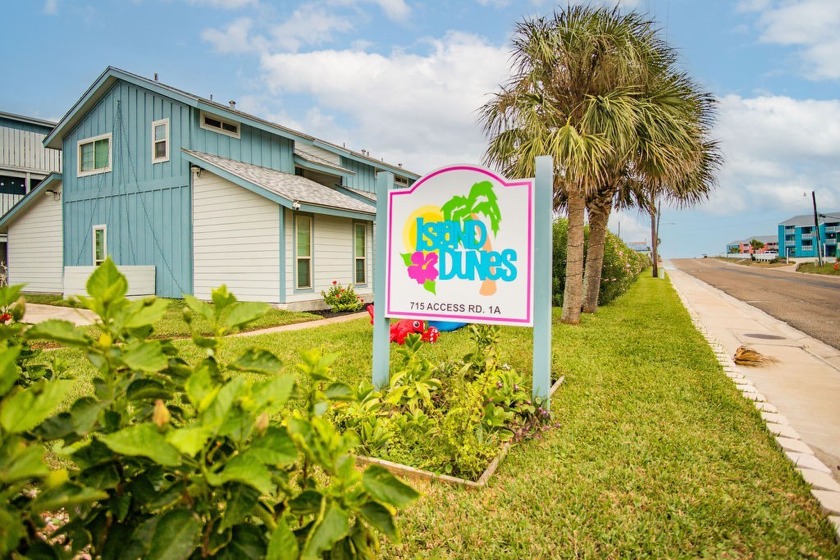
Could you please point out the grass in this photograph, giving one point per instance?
(657, 454)
(172, 324)
(759, 264)
(811, 268)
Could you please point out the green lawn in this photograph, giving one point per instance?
(657, 455)
(172, 324)
(811, 268)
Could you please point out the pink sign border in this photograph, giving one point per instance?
(528, 320)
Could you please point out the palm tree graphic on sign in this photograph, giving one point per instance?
(481, 202)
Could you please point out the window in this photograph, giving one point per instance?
(94, 155)
(100, 245)
(359, 252)
(303, 252)
(218, 124)
(160, 141)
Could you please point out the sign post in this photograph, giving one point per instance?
(461, 245)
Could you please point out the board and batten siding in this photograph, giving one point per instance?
(236, 241)
(332, 259)
(35, 247)
(145, 206)
(22, 148)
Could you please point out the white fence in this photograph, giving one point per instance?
(141, 280)
(758, 256)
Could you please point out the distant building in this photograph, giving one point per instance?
(24, 161)
(639, 246)
(744, 246)
(797, 235)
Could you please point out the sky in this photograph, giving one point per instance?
(403, 79)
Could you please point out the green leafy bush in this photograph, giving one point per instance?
(169, 460)
(621, 266)
(340, 298)
(448, 418)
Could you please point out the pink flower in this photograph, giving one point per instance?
(423, 267)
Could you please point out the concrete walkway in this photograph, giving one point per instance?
(36, 313)
(798, 394)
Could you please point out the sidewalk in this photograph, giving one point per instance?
(798, 394)
(36, 313)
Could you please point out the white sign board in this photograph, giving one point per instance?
(460, 247)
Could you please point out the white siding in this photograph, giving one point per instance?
(236, 241)
(35, 247)
(320, 153)
(332, 258)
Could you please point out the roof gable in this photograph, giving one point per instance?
(111, 75)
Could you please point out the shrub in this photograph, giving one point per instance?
(179, 461)
(448, 418)
(340, 298)
(621, 266)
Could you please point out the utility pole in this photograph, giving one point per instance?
(817, 228)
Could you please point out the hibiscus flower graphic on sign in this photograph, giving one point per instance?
(460, 246)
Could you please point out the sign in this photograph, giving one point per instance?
(460, 247)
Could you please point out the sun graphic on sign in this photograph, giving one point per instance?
(430, 213)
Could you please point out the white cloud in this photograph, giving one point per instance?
(776, 148)
(397, 10)
(309, 25)
(494, 3)
(416, 109)
(235, 38)
(809, 24)
(51, 7)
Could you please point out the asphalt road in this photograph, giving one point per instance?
(808, 302)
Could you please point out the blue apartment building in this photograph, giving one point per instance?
(798, 235)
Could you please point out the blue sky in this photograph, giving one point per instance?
(403, 79)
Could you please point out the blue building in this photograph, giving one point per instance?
(185, 194)
(798, 235)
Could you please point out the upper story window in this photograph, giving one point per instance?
(218, 124)
(94, 155)
(160, 141)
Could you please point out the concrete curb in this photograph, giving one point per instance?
(824, 488)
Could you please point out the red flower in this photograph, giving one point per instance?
(335, 282)
(4, 318)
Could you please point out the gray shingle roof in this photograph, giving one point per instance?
(762, 238)
(808, 219)
(288, 186)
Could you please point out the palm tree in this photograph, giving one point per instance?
(671, 156)
(576, 78)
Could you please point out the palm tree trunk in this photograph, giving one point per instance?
(573, 292)
(599, 214)
(654, 246)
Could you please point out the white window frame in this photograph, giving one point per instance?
(104, 229)
(298, 218)
(93, 140)
(363, 257)
(202, 115)
(165, 124)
